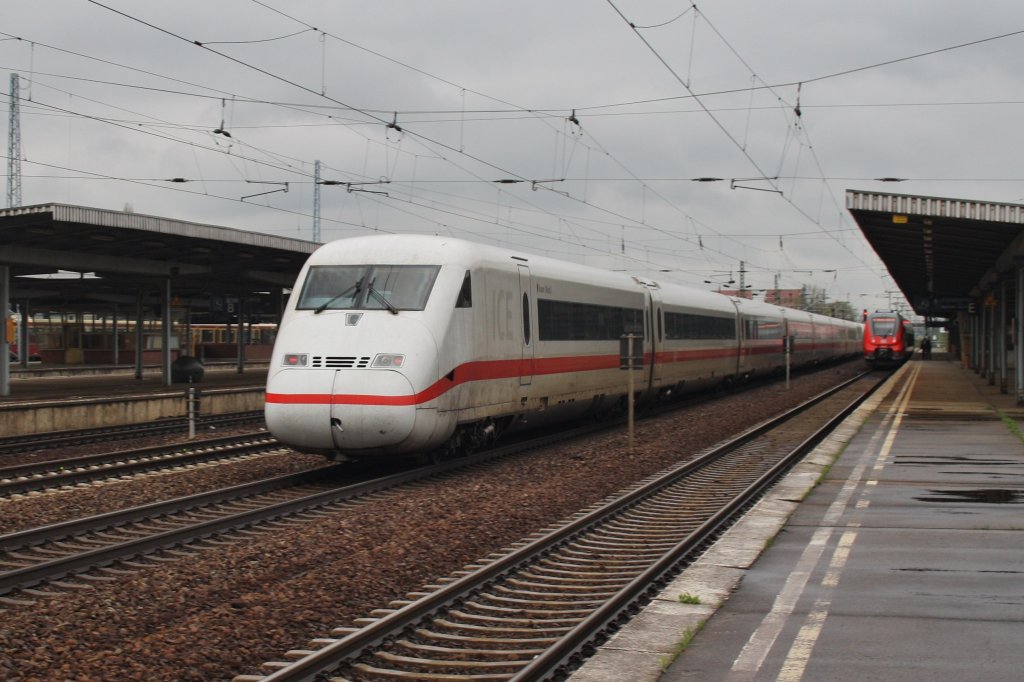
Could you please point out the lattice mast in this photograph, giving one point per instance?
(316, 202)
(14, 147)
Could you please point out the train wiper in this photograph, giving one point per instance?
(323, 306)
(380, 297)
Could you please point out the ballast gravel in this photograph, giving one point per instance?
(228, 608)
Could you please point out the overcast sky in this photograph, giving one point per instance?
(571, 128)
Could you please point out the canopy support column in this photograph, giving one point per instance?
(240, 351)
(116, 347)
(26, 315)
(139, 338)
(1018, 338)
(1001, 340)
(5, 351)
(975, 343)
(991, 344)
(165, 352)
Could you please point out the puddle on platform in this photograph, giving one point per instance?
(943, 460)
(981, 495)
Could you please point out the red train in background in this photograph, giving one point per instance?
(888, 339)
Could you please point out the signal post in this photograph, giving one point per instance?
(631, 357)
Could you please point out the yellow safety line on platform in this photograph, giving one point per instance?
(754, 652)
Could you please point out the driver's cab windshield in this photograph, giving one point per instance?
(367, 287)
(883, 326)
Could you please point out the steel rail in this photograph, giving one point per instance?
(353, 645)
(44, 475)
(104, 556)
(570, 645)
(61, 531)
(44, 467)
(77, 436)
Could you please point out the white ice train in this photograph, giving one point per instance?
(399, 344)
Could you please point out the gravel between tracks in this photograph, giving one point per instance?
(224, 612)
(29, 511)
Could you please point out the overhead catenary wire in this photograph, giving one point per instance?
(512, 112)
(369, 115)
(771, 180)
(390, 125)
(572, 118)
(372, 117)
(411, 154)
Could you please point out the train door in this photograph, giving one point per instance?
(655, 331)
(74, 354)
(744, 358)
(526, 364)
(784, 341)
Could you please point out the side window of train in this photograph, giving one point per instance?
(661, 325)
(526, 319)
(465, 299)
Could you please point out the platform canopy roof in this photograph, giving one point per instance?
(67, 256)
(942, 253)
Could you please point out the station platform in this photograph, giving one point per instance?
(905, 562)
(57, 398)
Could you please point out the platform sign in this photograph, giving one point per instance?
(631, 352)
(631, 356)
(223, 308)
(788, 348)
(941, 304)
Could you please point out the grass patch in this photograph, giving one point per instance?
(680, 646)
(687, 598)
(1011, 424)
(826, 470)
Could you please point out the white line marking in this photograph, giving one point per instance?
(761, 641)
(800, 652)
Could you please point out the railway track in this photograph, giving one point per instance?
(533, 612)
(54, 439)
(61, 473)
(93, 547)
(50, 553)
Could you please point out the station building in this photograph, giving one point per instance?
(93, 287)
(960, 265)
(101, 287)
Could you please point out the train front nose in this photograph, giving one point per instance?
(365, 421)
(298, 407)
(353, 388)
(340, 409)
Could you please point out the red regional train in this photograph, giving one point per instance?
(888, 339)
(401, 344)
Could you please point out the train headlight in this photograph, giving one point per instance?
(295, 360)
(388, 360)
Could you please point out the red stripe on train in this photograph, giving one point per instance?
(485, 370)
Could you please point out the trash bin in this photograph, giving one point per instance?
(186, 370)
